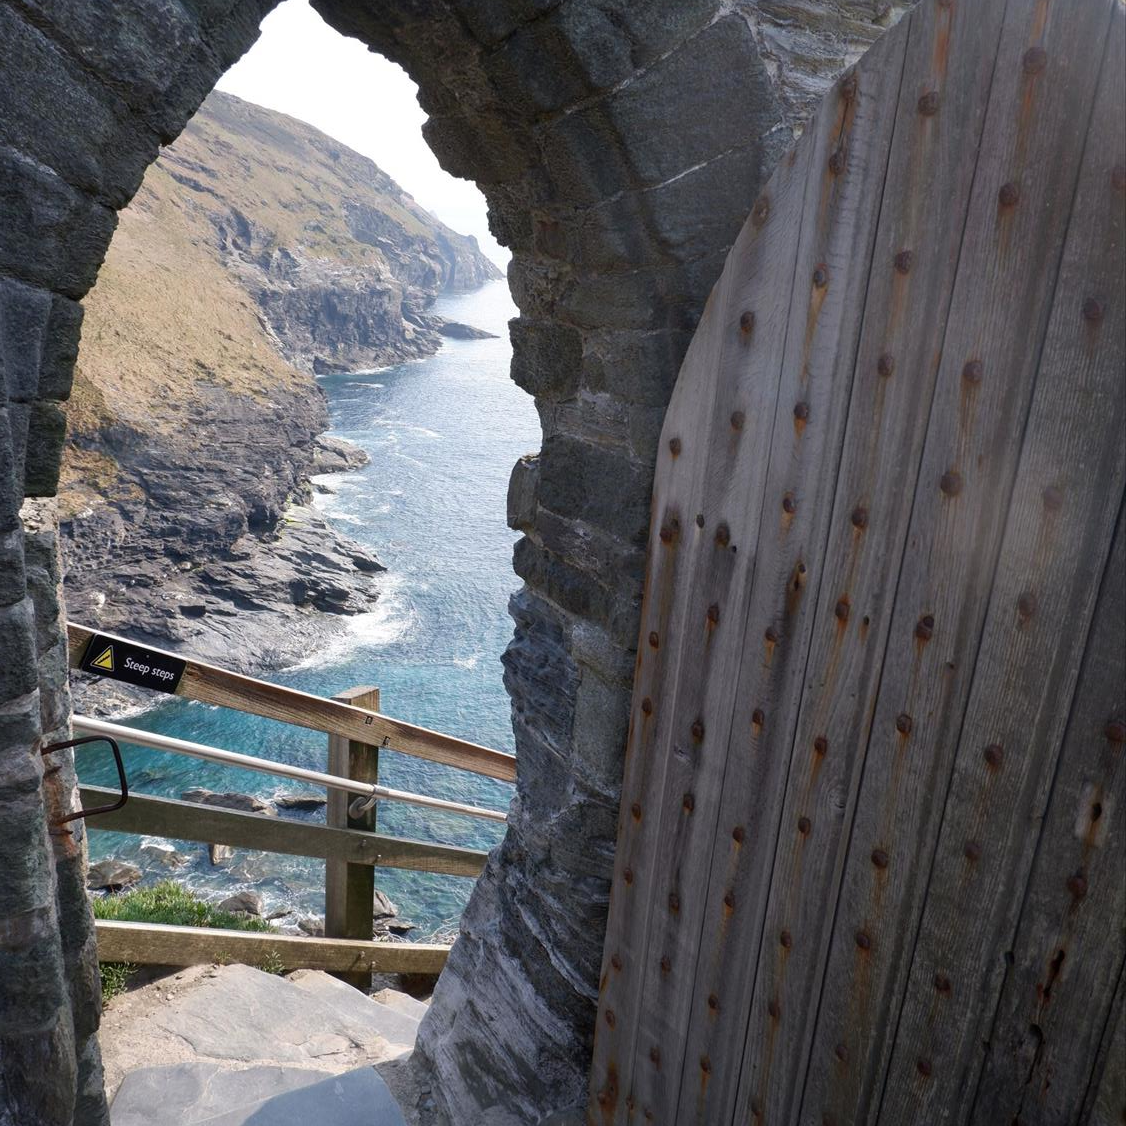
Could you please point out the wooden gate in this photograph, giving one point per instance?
(870, 853)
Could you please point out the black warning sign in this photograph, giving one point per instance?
(134, 664)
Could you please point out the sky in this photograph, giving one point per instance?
(302, 67)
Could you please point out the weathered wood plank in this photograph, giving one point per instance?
(692, 534)
(1056, 540)
(187, 821)
(779, 502)
(350, 888)
(153, 944)
(1069, 949)
(212, 685)
(1105, 1104)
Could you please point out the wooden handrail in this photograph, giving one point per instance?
(210, 684)
(208, 824)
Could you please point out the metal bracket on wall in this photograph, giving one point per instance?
(120, 774)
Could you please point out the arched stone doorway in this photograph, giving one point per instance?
(620, 147)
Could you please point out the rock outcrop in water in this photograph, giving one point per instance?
(257, 252)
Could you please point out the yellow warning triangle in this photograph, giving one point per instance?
(105, 661)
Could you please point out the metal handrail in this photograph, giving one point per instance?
(268, 766)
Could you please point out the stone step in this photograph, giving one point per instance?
(190, 1094)
(390, 1021)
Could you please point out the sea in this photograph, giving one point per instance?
(443, 434)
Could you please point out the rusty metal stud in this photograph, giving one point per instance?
(821, 276)
(786, 939)
(647, 706)
(747, 322)
(903, 723)
(1115, 731)
(604, 1098)
(666, 534)
(1093, 310)
(1077, 884)
(971, 850)
(722, 534)
(879, 858)
(860, 518)
(616, 963)
(729, 900)
(841, 1052)
(611, 1020)
(738, 834)
(924, 628)
(674, 446)
(698, 730)
(1034, 60)
(713, 613)
(863, 940)
(804, 826)
(994, 755)
(801, 412)
(789, 505)
(635, 811)
(756, 1108)
(737, 420)
(821, 745)
(925, 1067)
(951, 483)
(837, 162)
(1026, 604)
(758, 717)
(713, 1002)
(705, 1064)
(972, 371)
(885, 365)
(688, 802)
(655, 1055)
(941, 983)
(666, 964)
(928, 103)
(904, 260)
(771, 635)
(674, 902)
(760, 211)
(849, 87)
(842, 609)
(627, 875)
(654, 639)
(1009, 194)
(774, 1008)
(1053, 498)
(699, 519)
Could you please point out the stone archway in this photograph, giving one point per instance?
(620, 147)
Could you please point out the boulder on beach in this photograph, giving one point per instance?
(300, 801)
(245, 803)
(112, 875)
(243, 903)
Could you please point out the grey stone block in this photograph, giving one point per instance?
(24, 312)
(60, 349)
(521, 502)
(46, 435)
(546, 358)
(13, 577)
(191, 1094)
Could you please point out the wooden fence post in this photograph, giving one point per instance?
(350, 888)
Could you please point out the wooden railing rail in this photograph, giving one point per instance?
(210, 684)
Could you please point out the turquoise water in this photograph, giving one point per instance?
(443, 434)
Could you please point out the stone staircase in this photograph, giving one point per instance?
(233, 1046)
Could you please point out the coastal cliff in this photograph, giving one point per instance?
(257, 253)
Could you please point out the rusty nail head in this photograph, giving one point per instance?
(713, 1002)
(994, 755)
(821, 745)
(924, 630)
(713, 613)
(1077, 884)
(610, 1017)
(801, 411)
(773, 1008)
(821, 276)
(698, 729)
(1009, 194)
(746, 322)
(972, 850)
(655, 1054)
(1053, 498)
(722, 534)
(942, 983)
(761, 211)
(654, 639)
(666, 534)
(863, 940)
(771, 635)
(604, 1098)
(1115, 731)
(879, 858)
(758, 717)
(699, 519)
(688, 802)
(738, 834)
(616, 962)
(885, 365)
(1093, 310)
(627, 875)
(860, 518)
(928, 103)
(674, 446)
(674, 902)
(1026, 604)
(737, 420)
(849, 87)
(837, 162)
(1034, 61)
(786, 939)
(635, 810)
(972, 371)
(789, 505)
(647, 706)
(904, 261)
(705, 1064)
(729, 899)
(903, 723)
(666, 964)
(804, 826)
(841, 610)
(951, 483)
(841, 1052)
(925, 1067)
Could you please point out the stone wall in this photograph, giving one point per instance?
(620, 145)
